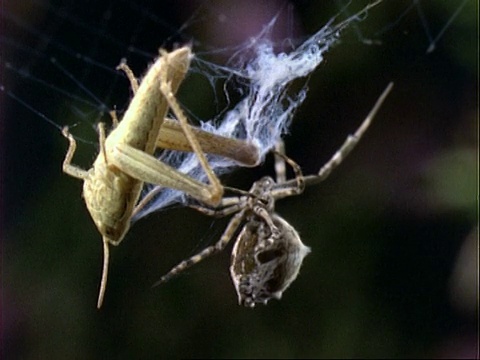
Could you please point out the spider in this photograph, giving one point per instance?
(268, 252)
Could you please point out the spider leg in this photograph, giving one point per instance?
(218, 213)
(352, 140)
(348, 145)
(292, 187)
(227, 206)
(263, 213)
(280, 168)
(219, 246)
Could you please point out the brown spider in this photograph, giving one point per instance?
(268, 252)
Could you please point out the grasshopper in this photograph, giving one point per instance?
(112, 186)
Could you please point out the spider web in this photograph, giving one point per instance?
(59, 62)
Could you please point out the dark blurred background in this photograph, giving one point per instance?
(394, 267)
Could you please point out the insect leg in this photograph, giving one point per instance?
(219, 246)
(215, 189)
(68, 168)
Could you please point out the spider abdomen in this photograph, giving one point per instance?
(265, 262)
